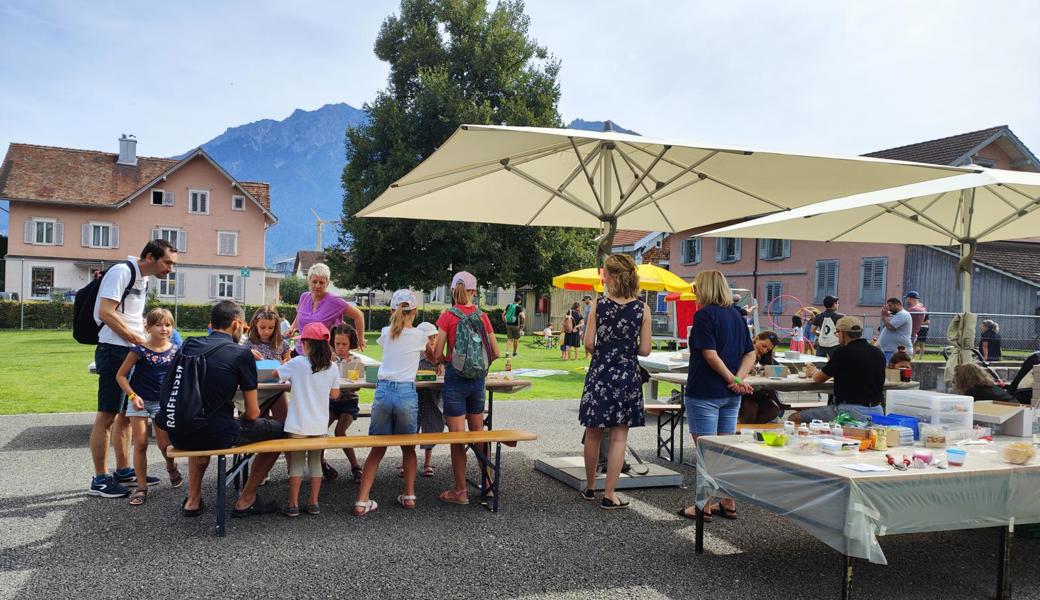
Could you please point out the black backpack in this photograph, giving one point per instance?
(85, 329)
(181, 410)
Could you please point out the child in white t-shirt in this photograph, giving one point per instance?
(315, 379)
(396, 406)
(797, 339)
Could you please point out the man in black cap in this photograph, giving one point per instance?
(823, 326)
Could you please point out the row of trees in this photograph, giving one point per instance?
(451, 62)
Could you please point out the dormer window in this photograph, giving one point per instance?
(198, 202)
(162, 198)
(238, 203)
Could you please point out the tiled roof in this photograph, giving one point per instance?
(305, 259)
(943, 151)
(258, 190)
(1018, 258)
(627, 237)
(86, 177)
(67, 176)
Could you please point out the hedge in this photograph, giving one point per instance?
(58, 315)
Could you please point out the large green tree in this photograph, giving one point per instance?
(451, 62)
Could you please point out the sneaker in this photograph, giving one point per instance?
(608, 504)
(128, 476)
(107, 487)
(588, 494)
(291, 511)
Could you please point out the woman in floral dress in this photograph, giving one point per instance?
(618, 330)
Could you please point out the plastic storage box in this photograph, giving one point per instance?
(893, 419)
(952, 411)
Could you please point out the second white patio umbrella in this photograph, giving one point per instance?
(990, 205)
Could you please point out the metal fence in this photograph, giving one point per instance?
(1017, 332)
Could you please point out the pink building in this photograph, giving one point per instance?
(862, 276)
(73, 212)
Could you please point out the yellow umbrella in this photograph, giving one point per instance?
(651, 278)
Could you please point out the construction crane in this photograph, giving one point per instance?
(321, 223)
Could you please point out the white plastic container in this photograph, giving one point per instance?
(950, 410)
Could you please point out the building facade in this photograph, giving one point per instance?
(80, 211)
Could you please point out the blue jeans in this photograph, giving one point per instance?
(395, 409)
(712, 416)
(461, 396)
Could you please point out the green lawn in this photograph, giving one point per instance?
(46, 371)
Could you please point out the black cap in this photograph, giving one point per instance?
(830, 301)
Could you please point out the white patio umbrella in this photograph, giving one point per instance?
(988, 205)
(565, 177)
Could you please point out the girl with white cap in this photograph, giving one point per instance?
(395, 410)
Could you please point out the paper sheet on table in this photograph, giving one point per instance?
(864, 468)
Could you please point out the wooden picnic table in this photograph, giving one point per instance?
(790, 383)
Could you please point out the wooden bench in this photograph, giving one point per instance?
(478, 441)
(669, 417)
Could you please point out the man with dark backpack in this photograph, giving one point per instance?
(110, 313)
(514, 318)
(197, 407)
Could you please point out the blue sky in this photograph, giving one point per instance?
(838, 77)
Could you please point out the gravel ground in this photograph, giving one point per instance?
(57, 542)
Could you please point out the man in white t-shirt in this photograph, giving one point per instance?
(119, 310)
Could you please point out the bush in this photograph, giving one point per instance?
(290, 289)
(58, 315)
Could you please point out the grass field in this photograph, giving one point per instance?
(46, 371)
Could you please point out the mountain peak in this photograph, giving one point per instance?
(584, 125)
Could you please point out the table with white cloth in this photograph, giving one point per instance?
(662, 362)
(849, 510)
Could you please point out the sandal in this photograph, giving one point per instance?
(357, 473)
(682, 513)
(328, 473)
(428, 471)
(363, 508)
(400, 471)
(403, 500)
(139, 497)
(192, 512)
(176, 479)
(728, 513)
(454, 497)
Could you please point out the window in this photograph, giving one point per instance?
(773, 249)
(662, 305)
(691, 251)
(198, 201)
(101, 235)
(227, 243)
(727, 250)
(826, 283)
(168, 285)
(238, 203)
(45, 232)
(177, 237)
(42, 282)
(225, 286)
(162, 198)
(872, 281)
(774, 289)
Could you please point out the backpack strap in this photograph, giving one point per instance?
(126, 292)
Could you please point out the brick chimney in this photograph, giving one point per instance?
(127, 150)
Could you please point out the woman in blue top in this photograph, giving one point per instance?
(721, 355)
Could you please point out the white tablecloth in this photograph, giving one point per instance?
(848, 510)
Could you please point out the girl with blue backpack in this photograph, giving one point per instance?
(466, 343)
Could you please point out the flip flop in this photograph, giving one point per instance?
(728, 513)
(453, 497)
(194, 512)
(682, 513)
(258, 507)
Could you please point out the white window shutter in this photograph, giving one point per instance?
(182, 241)
(167, 199)
(180, 285)
(736, 248)
(155, 234)
(763, 249)
(84, 235)
(787, 249)
(113, 237)
(30, 232)
(212, 286)
(59, 234)
(719, 243)
(240, 288)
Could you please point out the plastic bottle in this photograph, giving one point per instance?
(837, 432)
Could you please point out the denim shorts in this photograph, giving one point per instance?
(107, 360)
(151, 409)
(395, 409)
(712, 416)
(461, 396)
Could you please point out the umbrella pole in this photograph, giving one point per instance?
(606, 240)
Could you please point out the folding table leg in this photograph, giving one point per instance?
(490, 410)
(498, 477)
(698, 540)
(1007, 536)
(221, 493)
(846, 577)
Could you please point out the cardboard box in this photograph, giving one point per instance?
(265, 371)
(1011, 417)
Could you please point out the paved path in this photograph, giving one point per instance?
(546, 543)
